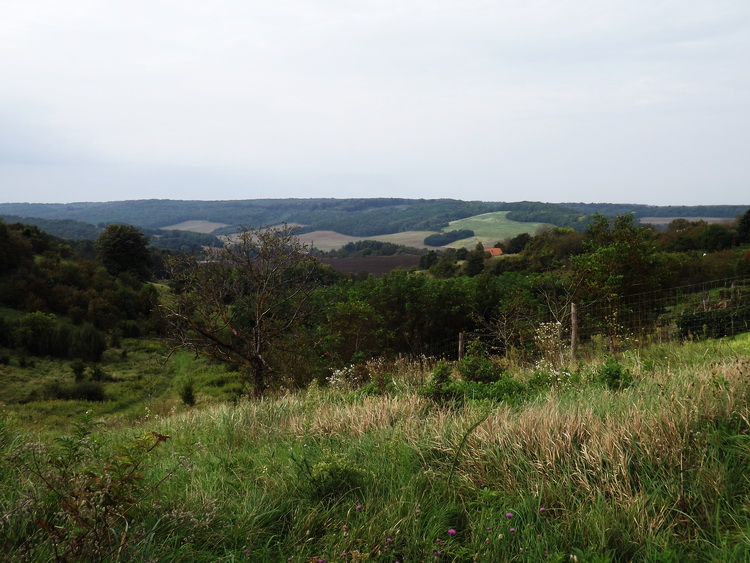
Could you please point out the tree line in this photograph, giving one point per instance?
(266, 305)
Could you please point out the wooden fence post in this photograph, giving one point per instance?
(461, 345)
(573, 330)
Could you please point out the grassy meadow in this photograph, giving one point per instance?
(642, 458)
(490, 228)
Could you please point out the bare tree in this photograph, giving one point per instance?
(245, 302)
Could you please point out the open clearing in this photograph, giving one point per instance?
(205, 227)
(490, 228)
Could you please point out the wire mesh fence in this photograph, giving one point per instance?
(691, 312)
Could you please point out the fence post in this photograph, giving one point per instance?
(461, 345)
(573, 330)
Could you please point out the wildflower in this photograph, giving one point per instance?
(438, 540)
(343, 554)
(509, 515)
(512, 530)
(542, 510)
(358, 507)
(451, 532)
(437, 552)
(499, 536)
(389, 539)
(486, 540)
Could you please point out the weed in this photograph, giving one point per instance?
(86, 501)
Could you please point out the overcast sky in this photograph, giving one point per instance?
(637, 101)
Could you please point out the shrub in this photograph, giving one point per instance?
(79, 391)
(78, 367)
(614, 375)
(87, 501)
(477, 366)
(438, 386)
(187, 393)
(333, 478)
(88, 343)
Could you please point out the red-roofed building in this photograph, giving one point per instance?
(494, 251)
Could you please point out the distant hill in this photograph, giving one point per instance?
(675, 211)
(363, 217)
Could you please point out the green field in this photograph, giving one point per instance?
(490, 228)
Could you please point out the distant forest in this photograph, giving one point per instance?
(353, 217)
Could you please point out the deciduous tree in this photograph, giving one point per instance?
(246, 303)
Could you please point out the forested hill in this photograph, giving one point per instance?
(354, 217)
(687, 211)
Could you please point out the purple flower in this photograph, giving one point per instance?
(438, 540)
(512, 530)
(451, 532)
(509, 515)
(542, 509)
(389, 539)
(358, 507)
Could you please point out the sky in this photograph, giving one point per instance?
(621, 101)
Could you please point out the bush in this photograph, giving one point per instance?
(88, 343)
(331, 478)
(438, 386)
(614, 375)
(505, 389)
(187, 393)
(78, 367)
(79, 391)
(477, 366)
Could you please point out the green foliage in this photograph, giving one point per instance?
(363, 248)
(743, 228)
(476, 364)
(614, 375)
(330, 478)
(657, 475)
(447, 237)
(79, 391)
(438, 387)
(714, 323)
(123, 248)
(87, 501)
(78, 367)
(187, 393)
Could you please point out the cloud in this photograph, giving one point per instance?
(379, 97)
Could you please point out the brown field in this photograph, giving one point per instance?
(668, 220)
(331, 240)
(206, 227)
(375, 265)
(327, 240)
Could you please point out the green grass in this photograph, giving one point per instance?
(139, 379)
(653, 472)
(490, 228)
